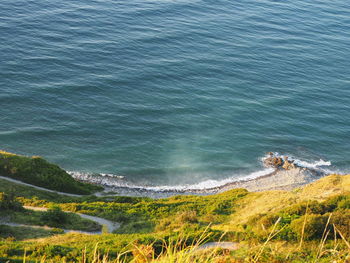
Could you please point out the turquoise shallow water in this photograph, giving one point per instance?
(175, 92)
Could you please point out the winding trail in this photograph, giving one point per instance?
(111, 226)
(38, 187)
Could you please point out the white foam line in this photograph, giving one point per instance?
(117, 181)
(205, 185)
(210, 184)
(301, 163)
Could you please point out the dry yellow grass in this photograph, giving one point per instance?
(325, 187)
(271, 201)
(246, 207)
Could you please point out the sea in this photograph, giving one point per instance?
(176, 93)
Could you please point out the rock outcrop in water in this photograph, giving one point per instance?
(279, 162)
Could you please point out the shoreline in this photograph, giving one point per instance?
(280, 172)
(276, 180)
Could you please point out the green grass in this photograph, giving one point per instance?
(144, 215)
(12, 211)
(37, 171)
(32, 193)
(11, 233)
(159, 249)
(67, 221)
(310, 224)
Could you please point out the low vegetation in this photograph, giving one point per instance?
(8, 202)
(13, 212)
(145, 215)
(37, 171)
(11, 233)
(309, 224)
(54, 217)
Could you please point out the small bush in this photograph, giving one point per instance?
(268, 220)
(187, 217)
(299, 209)
(136, 227)
(333, 202)
(8, 202)
(341, 219)
(344, 203)
(314, 226)
(54, 216)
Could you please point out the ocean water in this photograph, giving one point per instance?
(175, 92)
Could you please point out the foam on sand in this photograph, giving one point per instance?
(266, 178)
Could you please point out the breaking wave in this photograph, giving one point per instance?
(318, 165)
(111, 180)
(119, 181)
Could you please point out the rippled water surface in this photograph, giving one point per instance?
(175, 92)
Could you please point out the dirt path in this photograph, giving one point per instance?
(37, 187)
(111, 226)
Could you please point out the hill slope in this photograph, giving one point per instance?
(37, 171)
(307, 224)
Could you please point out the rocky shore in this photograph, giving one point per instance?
(286, 175)
(279, 162)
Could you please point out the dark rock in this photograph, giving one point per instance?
(278, 162)
(287, 165)
(274, 161)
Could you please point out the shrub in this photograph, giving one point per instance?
(221, 208)
(286, 234)
(333, 202)
(187, 217)
(54, 216)
(314, 226)
(268, 220)
(341, 219)
(299, 209)
(344, 203)
(136, 227)
(8, 202)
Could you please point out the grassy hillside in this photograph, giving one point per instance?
(309, 224)
(37, 171)
(12, 211)
(272, 201)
